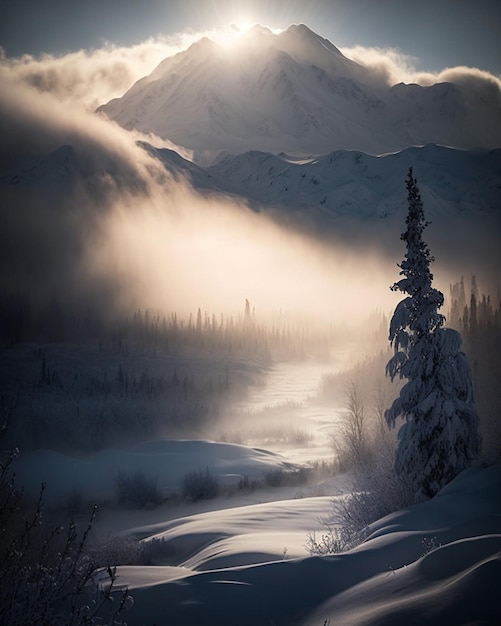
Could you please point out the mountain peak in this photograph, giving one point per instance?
(204, 46)
(295, 92)
(306, 35)
(302, 30)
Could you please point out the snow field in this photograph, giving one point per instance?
(397, 573)
(167, 462)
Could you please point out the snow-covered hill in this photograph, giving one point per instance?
(343, 183)
(296, 92)
(435, 563)
(57, 170)
(351, 183)
(243, 560)
(165, 461)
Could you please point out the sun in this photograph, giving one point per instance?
(232, 33)
(244, 25)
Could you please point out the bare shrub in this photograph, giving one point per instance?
(300, 436)
(137, 491)
(200, 485)
(157, 551)
(281, 477)
(113, 551)
(365, 447)
(47, 575)
(351, 439)
(247, 484)
(333, 540)
(377, 491)
(380, 400)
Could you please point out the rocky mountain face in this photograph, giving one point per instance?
(296, 92)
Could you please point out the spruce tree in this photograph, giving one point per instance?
(439, 436)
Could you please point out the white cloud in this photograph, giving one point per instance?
(388, 64)
(393, 66)
(125, 234)
(480, 79)
(158, 242)
(89, 78)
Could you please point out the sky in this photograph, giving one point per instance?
(434, 33)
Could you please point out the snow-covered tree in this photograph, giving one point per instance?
(440, 435)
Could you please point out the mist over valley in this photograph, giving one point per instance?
(196, 254)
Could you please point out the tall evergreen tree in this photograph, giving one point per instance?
(439, 436)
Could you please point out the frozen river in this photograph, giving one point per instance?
(284, 413)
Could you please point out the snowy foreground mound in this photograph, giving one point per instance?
(167, 462)
(435, 563)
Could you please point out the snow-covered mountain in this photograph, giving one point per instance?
(343, 183)
(352, 183)
(57, 170)
(296, 92)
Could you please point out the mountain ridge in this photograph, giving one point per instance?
(344, 183)
(296, 92)
(353, 183)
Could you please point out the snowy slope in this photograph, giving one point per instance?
(344, 183)
(296, 92)
(69, 168)
(56, 171)
(256, 533)
(352, 183)
(166, 462)
(435, 563)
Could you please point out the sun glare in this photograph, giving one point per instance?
(244, 26)
(232, 34)
(229, 35)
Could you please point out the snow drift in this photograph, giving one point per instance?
(435, 563)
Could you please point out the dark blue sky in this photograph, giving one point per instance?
(439, 33)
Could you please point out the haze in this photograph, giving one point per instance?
(158, 243)
(127, 233)
(195, 336)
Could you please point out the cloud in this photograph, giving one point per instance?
(33, 123)
(389, 65)
(118, 233)
(47, 232)
(392, 66)
(483, 82)
(89, 78)
(122, 234)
